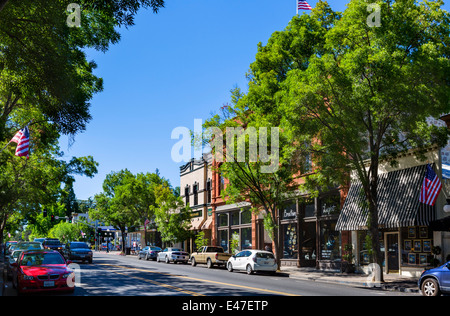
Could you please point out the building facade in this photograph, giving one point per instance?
(407, 240)
(196, 191)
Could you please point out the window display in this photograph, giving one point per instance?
(417, 246)
(330, 244)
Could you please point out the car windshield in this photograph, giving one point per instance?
(52, 242)
(37, 259)
(78, 245)
(29, 245)
(177, 249)
(155, 248)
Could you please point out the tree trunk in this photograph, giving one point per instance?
(122, 231)
(372, 198)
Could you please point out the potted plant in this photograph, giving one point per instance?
(347, 256)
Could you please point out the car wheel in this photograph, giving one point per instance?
(193, 263)
(147, 257)
(430, 287)
(139, 257)
(230, 267)
(249, 269)
(209, 263)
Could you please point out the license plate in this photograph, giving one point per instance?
(49, 283)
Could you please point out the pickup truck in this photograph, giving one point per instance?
(210, 255)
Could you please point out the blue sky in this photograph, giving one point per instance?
(169, 69)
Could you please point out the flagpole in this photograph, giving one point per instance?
(296, 4)
(5, 147)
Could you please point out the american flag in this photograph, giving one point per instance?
(431, 187)
(303, 5)
(22, 138)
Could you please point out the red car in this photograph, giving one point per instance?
(42, 271)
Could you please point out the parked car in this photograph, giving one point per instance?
(149, 252)
(42, 271)
(253, 261)
(41, 240)
(53, 244)
(435, 281)
(211, 255)
(28, 245)
(78, 250)
(8, 245)
(12, 259)
(173, 254)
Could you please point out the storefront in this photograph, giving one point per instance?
(405, 238)
(308, 231)
(236, 221)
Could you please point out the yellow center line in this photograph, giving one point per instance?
(194, 279)
(152, 281)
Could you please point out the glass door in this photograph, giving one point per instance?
(392, 253)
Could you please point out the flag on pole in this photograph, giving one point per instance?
(431, 187)
(303, 5)
(22, 138)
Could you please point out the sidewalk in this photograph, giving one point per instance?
(392, 282)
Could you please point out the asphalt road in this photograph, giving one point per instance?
(114, 275)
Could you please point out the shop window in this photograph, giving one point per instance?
(330, 205)
(416, 245)
(289, 211)
(222, 220)
(246, 217)
(223, 239)
(235, 218)
(329, 237)
(290, 241)
(246, 238)
(310, 210)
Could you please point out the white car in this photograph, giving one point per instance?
(173, 254)
(253, 260)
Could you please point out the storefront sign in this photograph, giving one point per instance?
(290, 212)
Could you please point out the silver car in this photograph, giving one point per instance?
(173, 254)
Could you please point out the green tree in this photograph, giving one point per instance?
(266, 185)
(172, 217)
(367, 93)
(109, 208)
(138, 194)
(65, 232)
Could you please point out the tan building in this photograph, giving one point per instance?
(196, 190)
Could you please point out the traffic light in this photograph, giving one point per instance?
(44, 213)
(52, 218)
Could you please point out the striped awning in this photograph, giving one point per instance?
(398, 202)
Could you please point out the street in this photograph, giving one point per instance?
(114, 275)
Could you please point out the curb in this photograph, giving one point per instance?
(385, 286)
